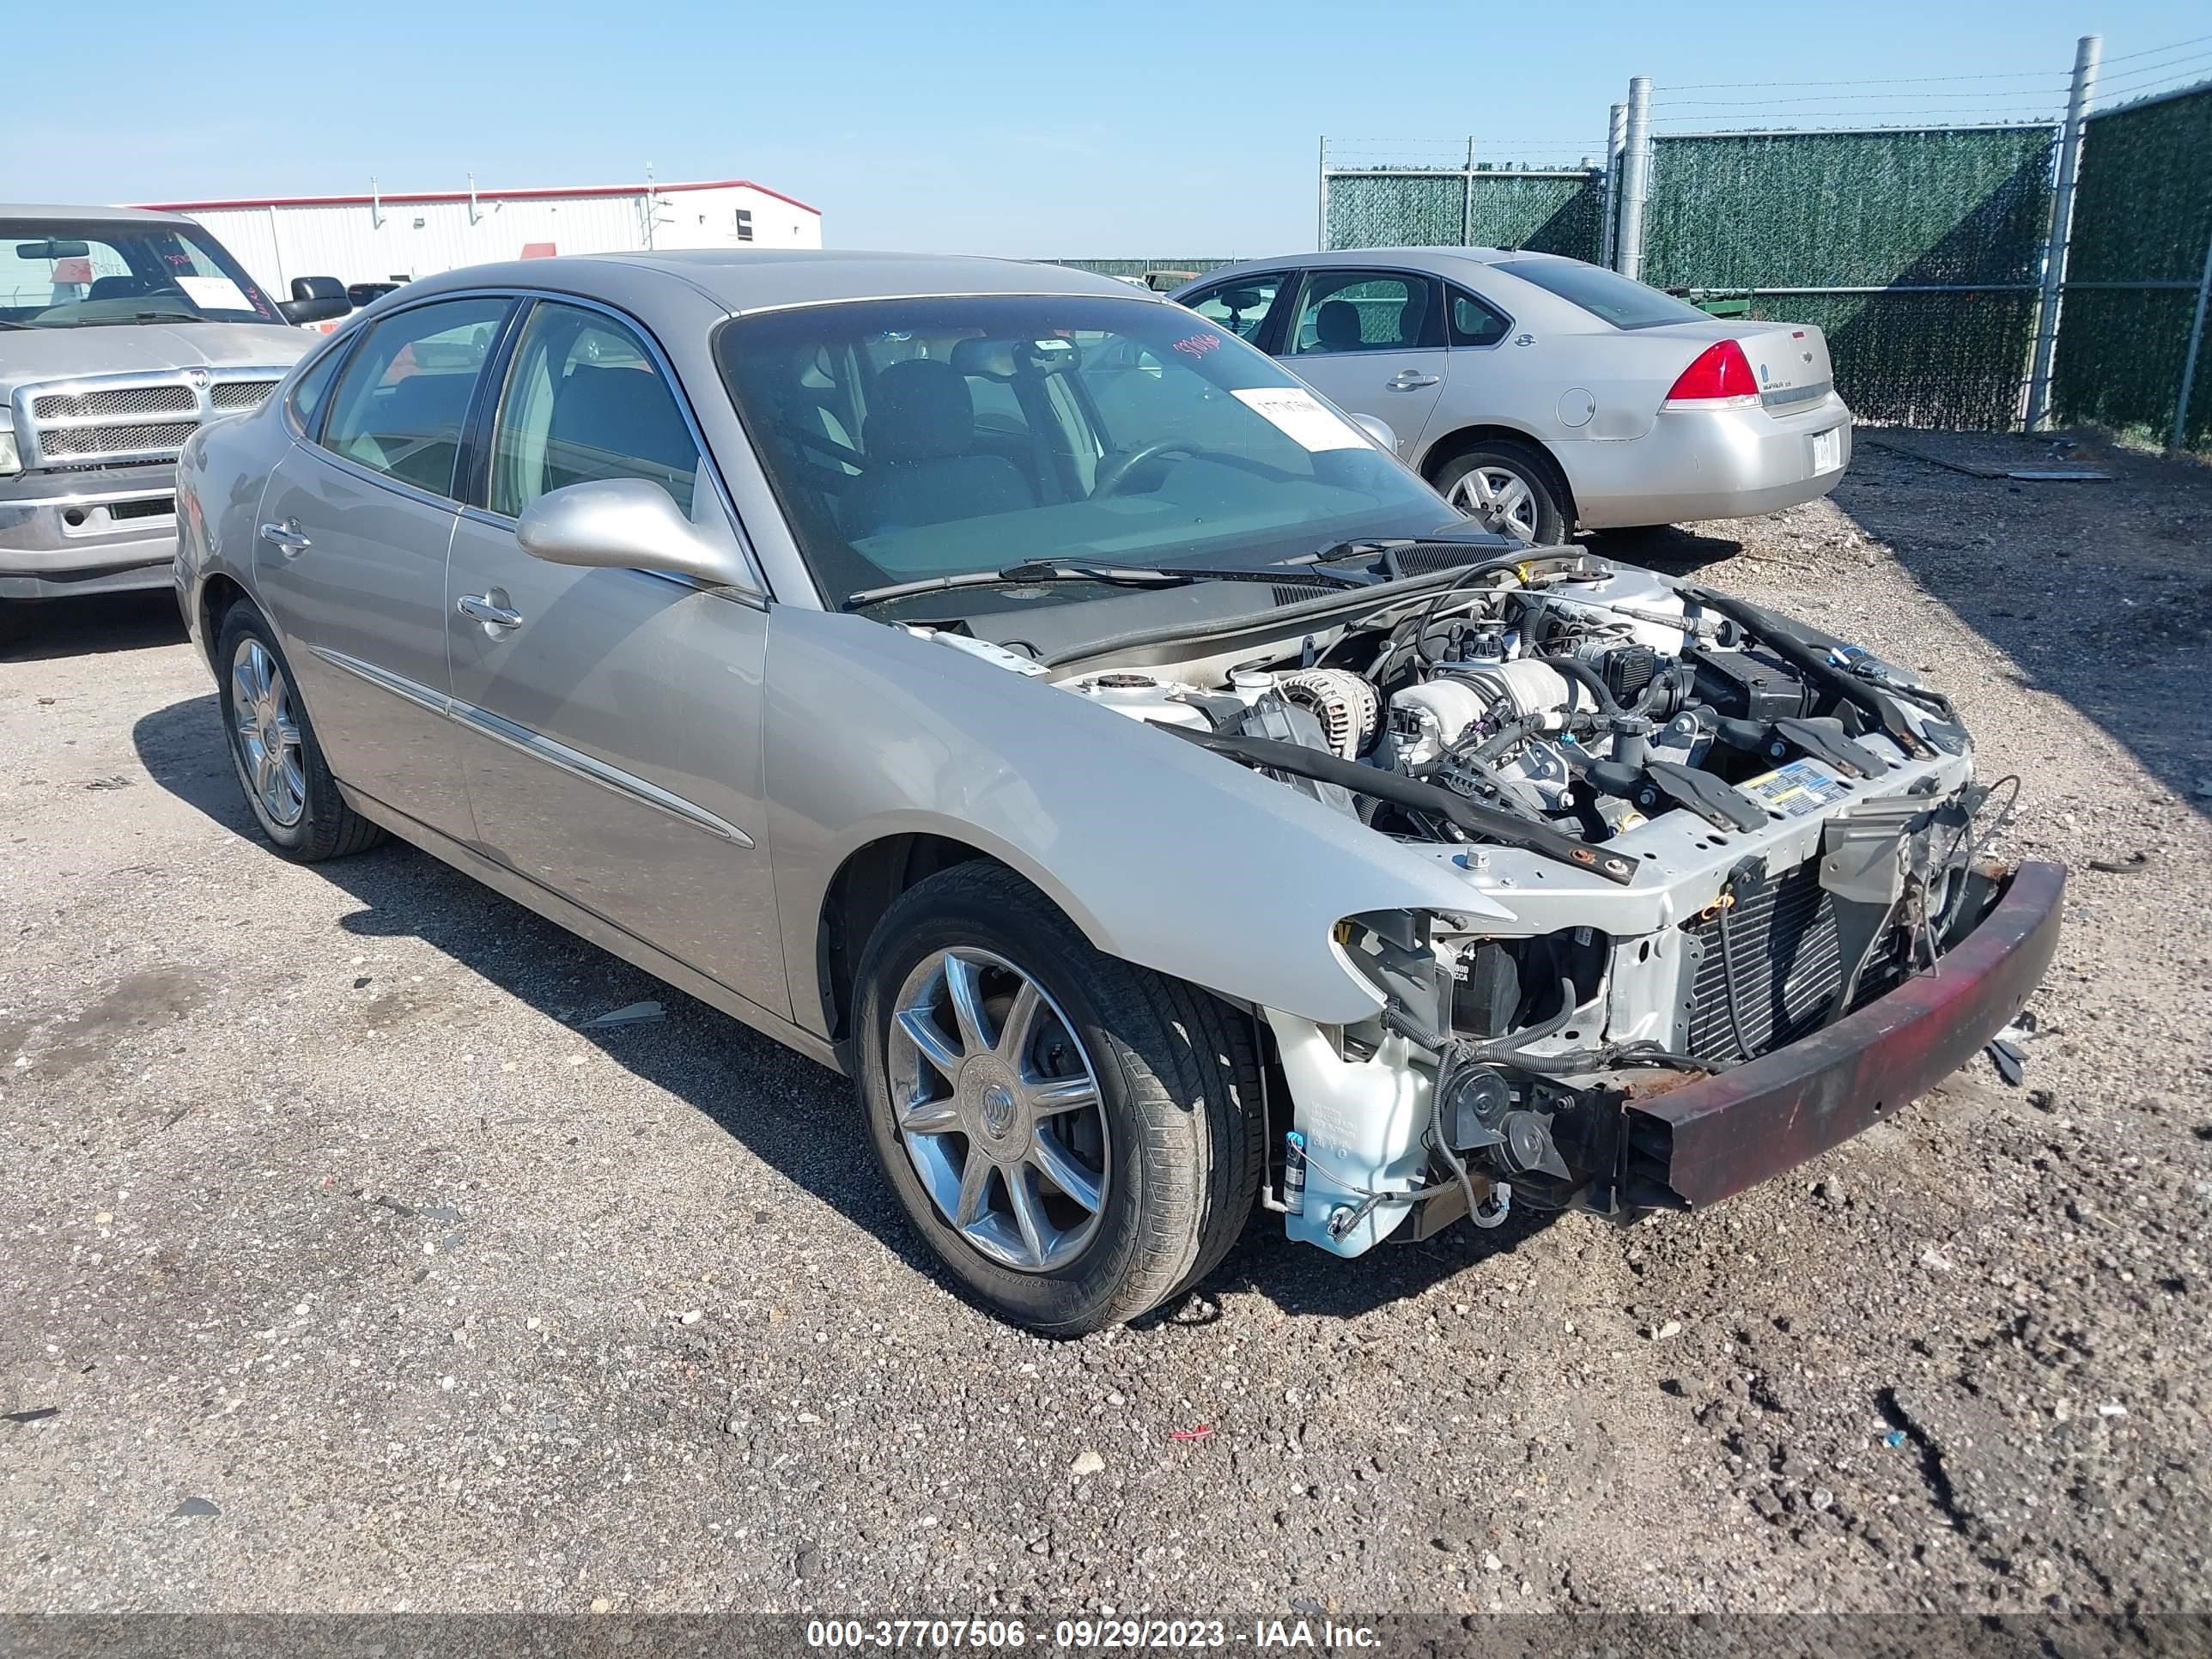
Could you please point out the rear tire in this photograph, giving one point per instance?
(279, 764)
(1167, 1141)
(1509, 487)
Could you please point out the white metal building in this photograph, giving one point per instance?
(379, 237)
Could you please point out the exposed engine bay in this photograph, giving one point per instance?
(1709, 831)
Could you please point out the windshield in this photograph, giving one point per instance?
(909, 439)
(1621, 301)
(63, 273)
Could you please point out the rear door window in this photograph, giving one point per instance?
(1347, 311)
(403, 397)
(1475, 324)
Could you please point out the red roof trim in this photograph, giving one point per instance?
(404, 198)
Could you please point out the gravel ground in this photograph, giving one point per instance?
(340, 1270)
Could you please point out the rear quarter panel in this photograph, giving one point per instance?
(221, 472)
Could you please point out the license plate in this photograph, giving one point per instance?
(1828, 449)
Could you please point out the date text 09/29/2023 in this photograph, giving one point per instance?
(1086, 1635)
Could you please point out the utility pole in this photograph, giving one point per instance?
(1635, 177)
(2088, 52)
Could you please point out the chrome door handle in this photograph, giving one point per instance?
(480, 607)
(286, 537)
(1408, 380)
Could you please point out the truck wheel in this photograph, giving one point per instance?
(1076, 1138)
(272, 746)
(1508, 488)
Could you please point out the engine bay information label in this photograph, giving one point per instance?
(1301, 418)
(1796, 790)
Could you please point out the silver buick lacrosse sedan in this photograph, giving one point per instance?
(1017, 691)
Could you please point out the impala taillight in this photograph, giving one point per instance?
(1721, 376)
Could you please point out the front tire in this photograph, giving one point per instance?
(279, 764)
(1510, 489)
(1076, 1138)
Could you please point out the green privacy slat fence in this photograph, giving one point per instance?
(1950, 208)
(1550, 212)
(2143, 215)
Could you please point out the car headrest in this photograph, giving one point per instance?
(1002, 360)
(1337, 324)
(923, 411)
(1411, 314)
(620, 412)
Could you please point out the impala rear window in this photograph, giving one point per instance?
(1605, 294)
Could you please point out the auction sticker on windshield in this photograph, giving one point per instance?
(1301, 418)
(214, 292)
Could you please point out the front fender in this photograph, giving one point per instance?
(1164, 855)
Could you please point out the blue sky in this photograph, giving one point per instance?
(1129, 129)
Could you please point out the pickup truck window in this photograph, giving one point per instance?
(63, 273)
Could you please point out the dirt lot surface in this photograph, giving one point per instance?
(340, 1269)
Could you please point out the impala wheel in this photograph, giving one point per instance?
(1076, 1138)
(1508, 489)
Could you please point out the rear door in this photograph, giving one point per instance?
(353, 531)
(610, 720)
(1372, 341)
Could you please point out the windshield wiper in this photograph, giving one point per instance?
(1084, 570)
(1036, 570)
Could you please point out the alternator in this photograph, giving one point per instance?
(1344, 703)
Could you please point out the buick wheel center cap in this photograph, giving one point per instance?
(997, 1104)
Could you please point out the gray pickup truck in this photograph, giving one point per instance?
(120, 333)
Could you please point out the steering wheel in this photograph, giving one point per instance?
(1117, 472)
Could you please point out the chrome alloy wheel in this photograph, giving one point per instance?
(999, 1108)
(268, 732)
(1500, 499)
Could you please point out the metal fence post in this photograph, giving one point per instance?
(1320, 230)
(2088, 53)
(2180, 438)
(1635, 177)
(1616, 131)
(1467, 200)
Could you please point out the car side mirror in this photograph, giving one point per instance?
(625, 523)
(315, 300)
(1378, 429)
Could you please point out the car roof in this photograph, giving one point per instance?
(87, 215)
(755, 279)
(1442, 260)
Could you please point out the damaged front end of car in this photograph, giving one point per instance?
(1728, 905)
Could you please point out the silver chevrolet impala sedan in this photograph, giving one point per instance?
(1019, 693)
(1539, 393)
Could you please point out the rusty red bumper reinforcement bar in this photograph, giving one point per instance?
(1716, 1136)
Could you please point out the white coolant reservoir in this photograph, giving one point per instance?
(1363, 1122)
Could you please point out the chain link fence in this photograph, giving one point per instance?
(1920, 248)
(1551, 210)
(2133, 311)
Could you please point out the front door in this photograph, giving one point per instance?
(611, 719)
(1372, 343)
(354, 532)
